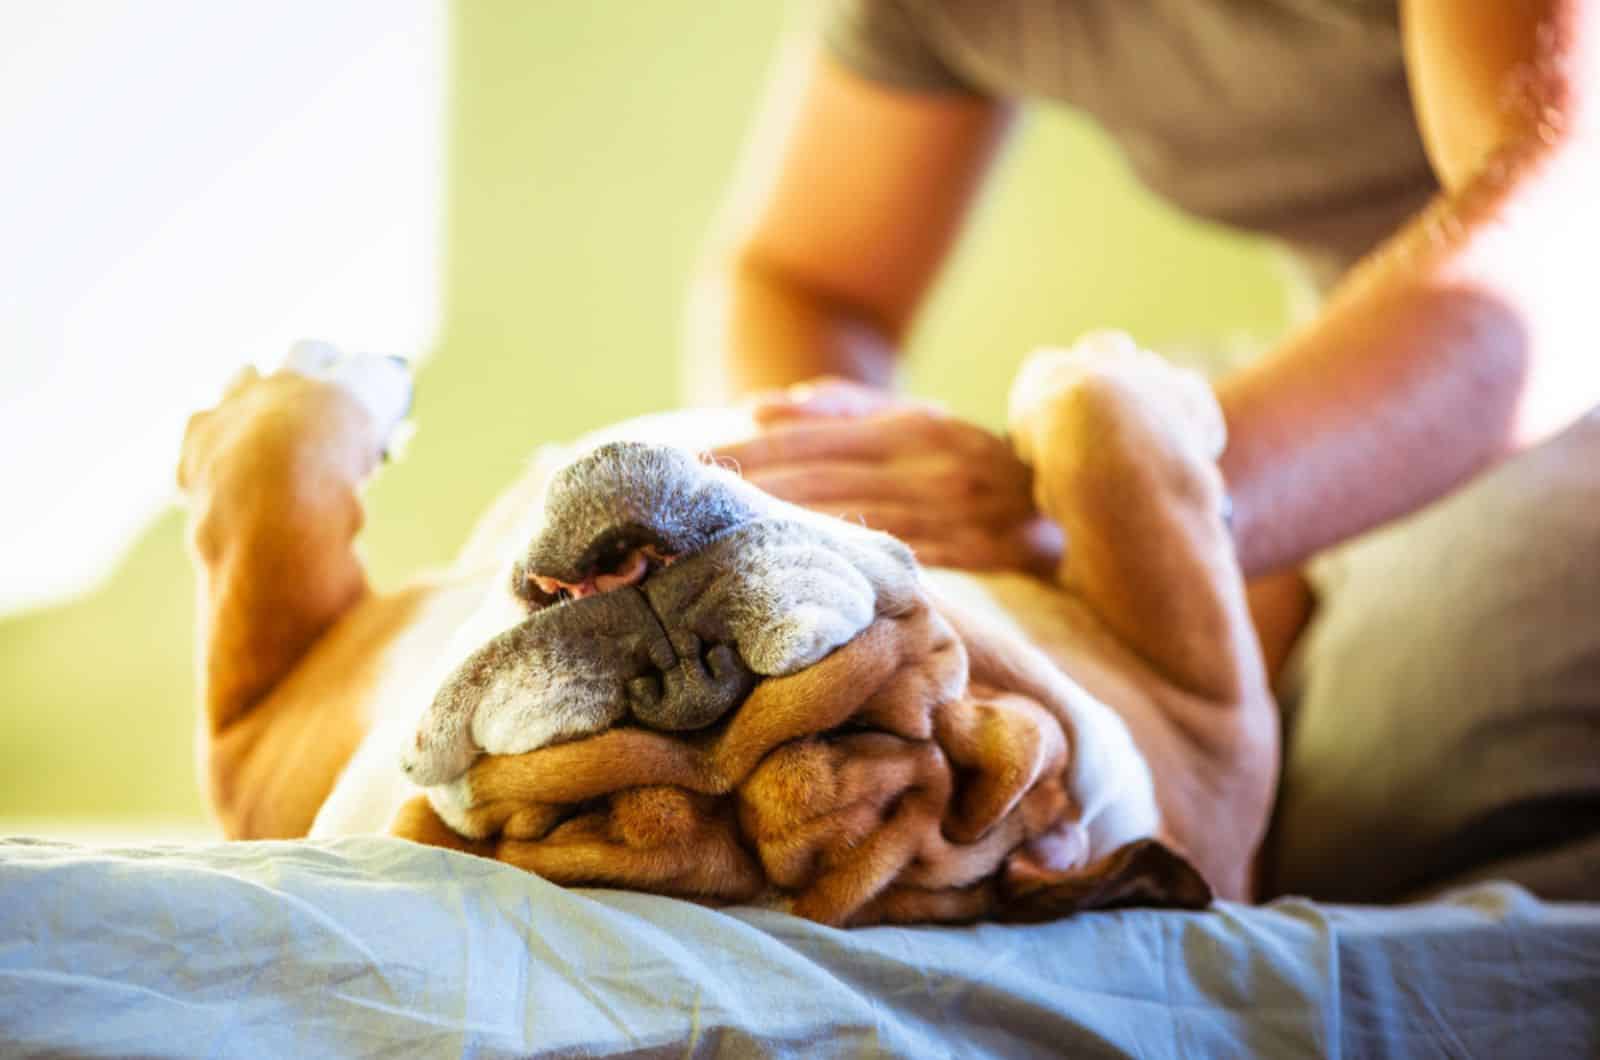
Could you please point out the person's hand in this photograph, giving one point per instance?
(952, 491)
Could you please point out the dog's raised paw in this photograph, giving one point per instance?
(382, 384)
(1178, 399)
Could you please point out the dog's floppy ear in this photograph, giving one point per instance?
(1146, 872)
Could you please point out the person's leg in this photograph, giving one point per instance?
(270, 478)
(1445, 721)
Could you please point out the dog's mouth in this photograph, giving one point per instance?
(619, 513)
(623, 557)
(654, 622)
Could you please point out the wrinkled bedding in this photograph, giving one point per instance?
(374, 945)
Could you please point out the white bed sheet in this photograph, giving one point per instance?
(376, 946)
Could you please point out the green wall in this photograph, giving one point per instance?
(589, 146)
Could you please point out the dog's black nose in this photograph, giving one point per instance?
(705, 685)
(624, 496)
(710, 678)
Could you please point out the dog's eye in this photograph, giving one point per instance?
(563, 595)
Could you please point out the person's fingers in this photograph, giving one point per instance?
(972, 552)
(874, 438)
(953, 491)
(910, 521)
(1041, 545)
(1034, 546)
(823, 481)
(936, 553)
(960, 486)
(830, 396)
(901, 431)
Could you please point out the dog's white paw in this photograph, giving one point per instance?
(1181, 400)
(312, 358)
(381, 383)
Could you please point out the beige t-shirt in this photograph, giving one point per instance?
(1286, 117)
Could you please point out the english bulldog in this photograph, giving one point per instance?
(643, 671)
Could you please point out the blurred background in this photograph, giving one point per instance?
(516, 195)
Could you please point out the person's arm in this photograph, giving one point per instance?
(839, 226)
(1472, 334)
(842, 223)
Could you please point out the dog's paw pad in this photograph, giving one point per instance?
(382, 384)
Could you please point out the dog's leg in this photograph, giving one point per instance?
(1124, 453)
(270, 478)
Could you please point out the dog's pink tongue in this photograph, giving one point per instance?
(631, 571)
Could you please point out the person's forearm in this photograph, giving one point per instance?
(753, 328)
(1471, 335)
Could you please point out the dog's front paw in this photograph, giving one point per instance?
(382, 384)
(317, 409)
(1178, 401)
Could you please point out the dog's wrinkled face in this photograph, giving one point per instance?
(659, 587)
(660, 592)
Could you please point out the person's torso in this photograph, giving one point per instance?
(1289, 117)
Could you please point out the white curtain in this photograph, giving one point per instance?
(187, 185)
